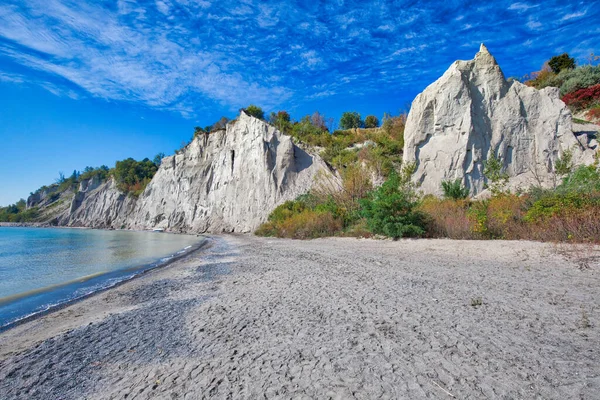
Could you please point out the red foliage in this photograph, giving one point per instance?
(583, 98)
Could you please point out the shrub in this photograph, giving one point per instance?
(585, 179)
(351, 120)
(90, 172)
(281, 120)
(579, 78)
(309, 225)
(17, 213)
(305, 129)
(568, 80)
(132, 176)
(562, 62)
(583, 98)
(254, 111)
(391, 209)
(371, 121)
(542, 78)
(294, 219)
(448, 218)
(493, 170)
(504, 217)
(564, 164)
(455, 189)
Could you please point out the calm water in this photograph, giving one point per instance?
(41, 268)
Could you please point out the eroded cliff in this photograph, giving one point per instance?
(226, 181)
(473, 113)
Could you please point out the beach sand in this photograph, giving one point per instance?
(249, 317)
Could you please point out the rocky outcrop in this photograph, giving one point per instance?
(43, 197)
(85, 187)
(226, 181)
(473, 113)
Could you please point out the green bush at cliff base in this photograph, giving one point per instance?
(391, 210)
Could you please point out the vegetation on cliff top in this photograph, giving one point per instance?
(579, 85)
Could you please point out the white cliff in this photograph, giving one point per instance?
(472, 113)
(226, 181)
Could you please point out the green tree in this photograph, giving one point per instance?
(564, 164)
(351, 120)
(455, 190)
(493, 170)
(371, 121)
(281, 120)
(562, 62)
(254, 111)
(61, 177)
(132, 176)
(391, 209)
(158, 159)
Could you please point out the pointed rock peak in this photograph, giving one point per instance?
(485, 56)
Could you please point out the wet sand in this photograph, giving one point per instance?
(249, 317)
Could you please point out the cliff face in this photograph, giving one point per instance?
(227, 181)
(472, 113)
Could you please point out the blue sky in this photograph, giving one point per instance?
(90, 82)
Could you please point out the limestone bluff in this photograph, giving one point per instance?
(226, 181)
(472, 112)
(230, 180)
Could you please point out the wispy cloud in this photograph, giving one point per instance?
(522, 6)
(186, 55)
(534, 24)
(573, 15)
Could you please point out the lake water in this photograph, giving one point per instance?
(43, 267)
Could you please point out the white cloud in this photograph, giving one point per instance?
(574, 15)
(521, 7)
(146, 61)
(534, 24)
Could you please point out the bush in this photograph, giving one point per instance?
(583, 98)
(568, 80)
(254, 111)
(455, 190)
(296, 220)
(585, 179)
(504, 217)
(579, 78)
(391, 209)
(448, 218)
(310, 225)
(281, 120)
(90, 172)
(542, 78)
(132, 176)
(371, 121)
(497, 179)
(17, 213)
(351, 120)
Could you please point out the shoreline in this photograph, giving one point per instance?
(143, 270)
(250, 317)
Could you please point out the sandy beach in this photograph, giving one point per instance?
(249, 317)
